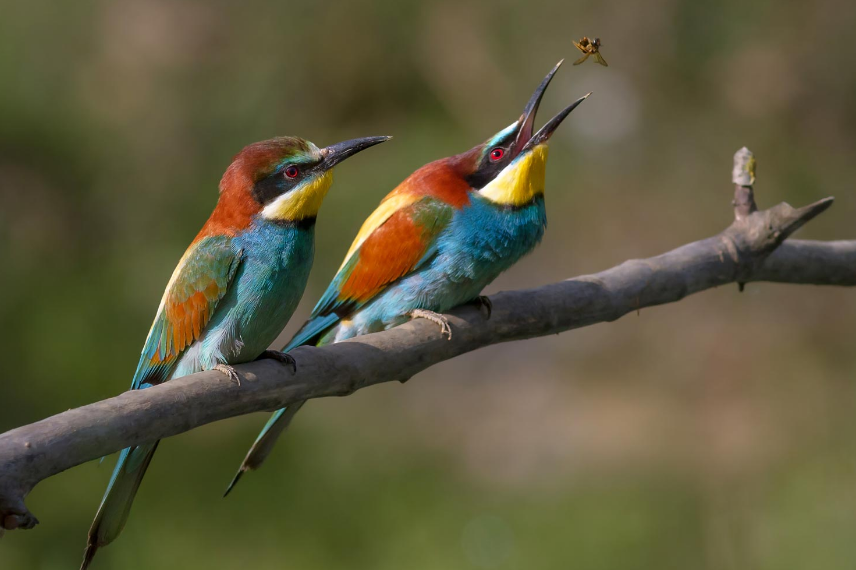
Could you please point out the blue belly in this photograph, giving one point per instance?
(482, 241)
(261, 299)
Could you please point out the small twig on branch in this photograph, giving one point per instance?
(767, 229)
(750, 249)
(743, 176)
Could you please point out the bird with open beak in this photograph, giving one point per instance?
(435, 241)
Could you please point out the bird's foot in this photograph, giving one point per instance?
(281, 357)
(437, 318)
(484, 302)
(17, 519)
(230, 372)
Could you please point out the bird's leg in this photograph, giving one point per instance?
(484, 302)
(437, 318)
(281, 357)
(230, 372)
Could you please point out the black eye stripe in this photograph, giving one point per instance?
(267, 189)
(487, 170)
(278, 179)
(275, 185)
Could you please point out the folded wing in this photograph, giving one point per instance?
(198, 283)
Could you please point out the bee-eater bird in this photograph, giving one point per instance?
(434, 243)
(235, 287)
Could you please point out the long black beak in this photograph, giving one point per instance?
(527, 119)
(547, 130)
(336, 153)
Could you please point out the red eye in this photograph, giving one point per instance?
(496, 154)
(292, 171)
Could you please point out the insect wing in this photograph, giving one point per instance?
(582, 59)
(599, 58)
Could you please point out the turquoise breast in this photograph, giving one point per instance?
(482, 240)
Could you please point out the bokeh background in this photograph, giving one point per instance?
(715, 433)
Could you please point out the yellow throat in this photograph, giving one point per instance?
(521, 181)
(302, 202)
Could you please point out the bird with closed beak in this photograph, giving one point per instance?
(234, 289)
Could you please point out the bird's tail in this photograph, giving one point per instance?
(116, 504)
(265, 441)
(310, 333)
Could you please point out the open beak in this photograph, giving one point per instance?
(543, 135)
(527, 119)
(336, 153)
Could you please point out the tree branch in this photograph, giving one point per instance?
(751, 249)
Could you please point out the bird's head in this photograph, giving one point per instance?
(508, 168)
(284, 179)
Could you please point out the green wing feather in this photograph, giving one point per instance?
(201, 279)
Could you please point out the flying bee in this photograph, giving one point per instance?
(590, 47)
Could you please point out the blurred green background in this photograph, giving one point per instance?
(715, 433)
